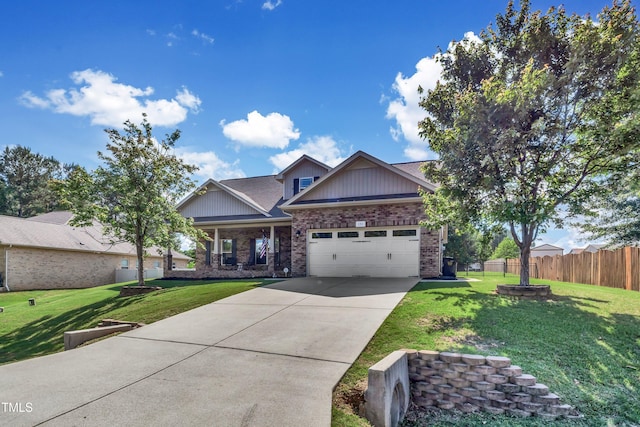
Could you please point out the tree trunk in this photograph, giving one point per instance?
(525, 253)
(528, 233)
(140, 255)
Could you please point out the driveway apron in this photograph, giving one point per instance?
(270, 356)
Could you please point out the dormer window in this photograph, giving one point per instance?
(300, 184)
(305, 182)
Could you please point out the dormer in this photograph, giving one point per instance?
(301, 174)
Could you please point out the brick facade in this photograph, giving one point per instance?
(30, 268)
(406, 214)
(214, 268)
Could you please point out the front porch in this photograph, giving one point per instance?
(239, 252)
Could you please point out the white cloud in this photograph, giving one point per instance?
(202, 36)
(274, 130)
(109, 103)
(321, 148)
(269, 5)
(210, 165)
(405, 109)
(1, 74)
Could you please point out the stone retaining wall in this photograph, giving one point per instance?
(472, 383)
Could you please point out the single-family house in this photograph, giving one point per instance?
(45, 252)
(360, 218)
(592, 248)
(546, 250)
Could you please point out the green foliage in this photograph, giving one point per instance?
(591, 361)
(24, 182)
(533, 116)
(507, 249)
(134, 194)
(614, 213)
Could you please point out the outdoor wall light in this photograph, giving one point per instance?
(297, 234)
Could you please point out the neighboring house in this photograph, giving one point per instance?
(546, 250)
(45, 252)
(590, 248)
(361, 218)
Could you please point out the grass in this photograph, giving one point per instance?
(584, 344)
(29, 331)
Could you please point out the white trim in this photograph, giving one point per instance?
(402, 200)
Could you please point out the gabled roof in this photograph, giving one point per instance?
(237, 194)
(360, 156)
(546, 247)
(56, 217)
(266, 191)
(304, 157)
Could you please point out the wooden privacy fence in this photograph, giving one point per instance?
(614, 269)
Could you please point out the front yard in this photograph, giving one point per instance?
(584, 344)
(29, 331)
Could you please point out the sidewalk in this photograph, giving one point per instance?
(269, 356)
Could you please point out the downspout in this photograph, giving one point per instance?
(6, 268)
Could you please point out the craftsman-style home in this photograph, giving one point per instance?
(361, 218)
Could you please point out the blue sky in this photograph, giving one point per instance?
(252, 84)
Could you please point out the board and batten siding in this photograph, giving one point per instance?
(303, 170)
(361, 182)
(216, 203)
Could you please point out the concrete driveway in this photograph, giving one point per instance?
(270, 356)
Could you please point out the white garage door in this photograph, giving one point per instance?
(371, 252)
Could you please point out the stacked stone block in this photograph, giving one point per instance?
(473, 383)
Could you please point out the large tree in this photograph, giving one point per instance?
(614, 215)
(134, 194)
(24, 182)
(527, 119)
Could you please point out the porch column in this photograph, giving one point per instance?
(272, 250)
(216, 247)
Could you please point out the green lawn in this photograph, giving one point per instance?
(584, 344)
(28, 331)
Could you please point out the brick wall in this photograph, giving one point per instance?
(472, 383)
(214, 269)
(375, 216)
(31, 268)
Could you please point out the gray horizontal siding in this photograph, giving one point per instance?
(216, 203)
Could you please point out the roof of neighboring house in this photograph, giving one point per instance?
(51, 231)
(576, 251)
(56, 217)
(546, 247)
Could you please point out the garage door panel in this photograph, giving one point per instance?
(383, 253)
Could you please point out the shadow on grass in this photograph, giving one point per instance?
(46, 335)
(588, 356)
(179, 283)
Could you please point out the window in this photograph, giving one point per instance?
(375, 233)
(156, 264)
(348, 234)
(305, 182)
(300, 184)
(328, 235)
(124, 264)
(404, 233)
(228, 251)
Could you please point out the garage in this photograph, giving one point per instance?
(375, 252)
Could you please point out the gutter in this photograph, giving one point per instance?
(6, 268)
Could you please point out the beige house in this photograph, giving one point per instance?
(546, 250)
(361, 218)
(45, 252)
